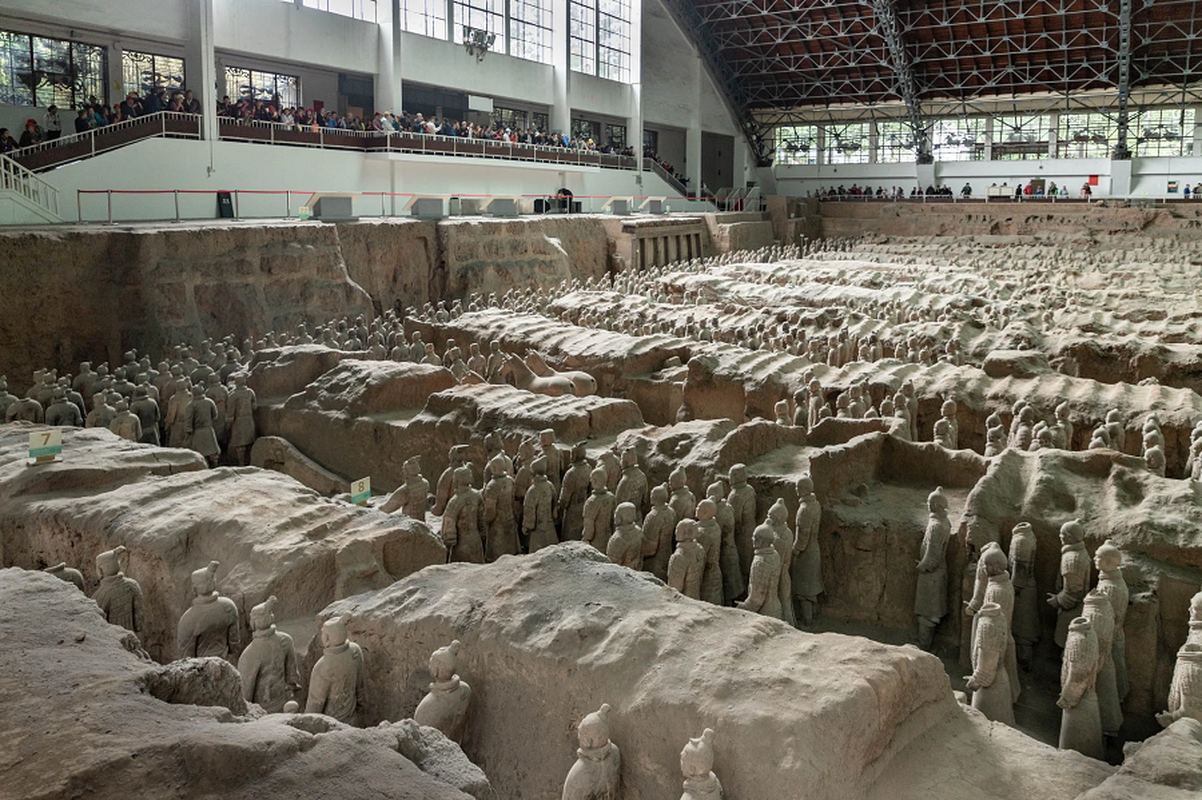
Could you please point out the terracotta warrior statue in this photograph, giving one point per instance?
(445, 706)
(742, 502)
(500, 524)
(1073, 581)
(658, 527)
(626, 544)
(683, 502)
(538, 507)
(1100, 613)
(119, 597)
(1108, 559)
(710, 538)
(268, 664)
(763, 595)
(65, 573)
(199, 418)
(240, 418)
(1080, 721)
(125, 424)
(687, 564)
(930, 598)
(632, 485)
(338, 685)
(210, 626)
(807, 555)
(573, 494)
(728, 556)
(598, 511)
(1025, 624)
(989, 681)
(462, 520)
(1185, 691)
(456, 458)
(778, 523)
(697, 766)
(412, 498)
(596, 775)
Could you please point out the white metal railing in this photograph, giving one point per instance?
(98, 140)
(15, 178)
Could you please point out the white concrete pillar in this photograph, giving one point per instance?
(692, 143)
(115, 75)
(1053, 134)
(201, 63)
(1196, 135)
(988, 139)
(388, 94)
(561, 109)
(634, 124)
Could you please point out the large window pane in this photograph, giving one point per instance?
(268, 87)
(427, 17)
(613, 40)
(16, 69)
(145, 72)
(1086, 135)
(530, 30)
(1021, 137)
(846, 144)
(958, 139)
(583, 25)
(359, 9)
(797, 144)
(483, 15)
(1162, 132)
(895, 142)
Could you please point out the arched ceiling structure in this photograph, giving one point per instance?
(777, 55)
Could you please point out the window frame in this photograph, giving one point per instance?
(41, 92)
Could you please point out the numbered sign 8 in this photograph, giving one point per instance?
(361, 491)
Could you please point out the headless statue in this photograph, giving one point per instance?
(1080, 721)
(1185, 690)
(990, 681)
(68, 574)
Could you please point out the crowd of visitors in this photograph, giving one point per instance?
(1021, 191)
(248, 110)
(94, 114)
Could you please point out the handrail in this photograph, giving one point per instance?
(98, 140)
(595, 203)
(668, 177)
(15, 177)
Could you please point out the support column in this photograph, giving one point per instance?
(692, 142)
(1053, 134)
(634, 123)
(115, 75)
(200, 61)
(988, 139)
(387, 88)
(561, 109)
(1196, 134)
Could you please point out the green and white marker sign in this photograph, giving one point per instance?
(46, 445)
(361, 491)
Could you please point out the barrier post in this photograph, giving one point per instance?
(176, 193)
(383, 213)
(79, 205)
(236, 204)
(288, 203)
(110, 196)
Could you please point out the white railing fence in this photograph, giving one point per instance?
(15, 178)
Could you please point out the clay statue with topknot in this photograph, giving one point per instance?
(538, 508)
(682, 501)
(778, 523)
(598, 511)
(573, 494)
(697, 766)
(500, 524)
(625, 546)
(632, 486)
(930, 597)
(412, 498)
(807, 554)
(658, 528)
(445, 706)
(1073, 580)
(462, 521)
(763, 595)
(742, 502)
(687, 564)
(710, 537)
(728, 556)
(268, 665)
(210, 626)
(597, 773)
(119, 597)
(338, 683)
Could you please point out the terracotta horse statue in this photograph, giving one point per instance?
(524, 378)
(585, 384)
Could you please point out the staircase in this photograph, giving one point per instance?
(25, 199)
